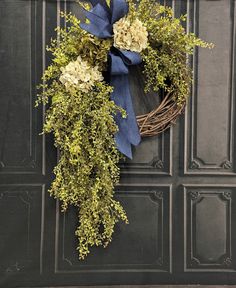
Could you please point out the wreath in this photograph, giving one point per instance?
(90, 107)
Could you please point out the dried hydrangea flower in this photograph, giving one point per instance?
(130, 36)
(79, 74)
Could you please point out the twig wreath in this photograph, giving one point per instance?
(91, 113)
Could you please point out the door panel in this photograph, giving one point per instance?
(178, 191)
(21, 146)
(20, 226)
(210, 122)
(149, 209)
(208, 234)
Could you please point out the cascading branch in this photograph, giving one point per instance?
(90, 112)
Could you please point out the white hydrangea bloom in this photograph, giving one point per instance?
(130, 36)
(80, 74)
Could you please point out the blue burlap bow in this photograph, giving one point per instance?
(102, 17)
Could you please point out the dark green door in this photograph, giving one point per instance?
(179, 191)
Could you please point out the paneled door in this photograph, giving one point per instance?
(179, 191)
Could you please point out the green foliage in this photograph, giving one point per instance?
(71, 42)
(84, 129)
(83, 124)
(165, 57)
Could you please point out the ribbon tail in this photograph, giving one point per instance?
(128, 128)
(123, 145)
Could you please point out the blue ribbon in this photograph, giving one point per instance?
(102, 17)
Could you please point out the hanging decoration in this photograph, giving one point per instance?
(90, 104)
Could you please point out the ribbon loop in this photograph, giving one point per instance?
(119, 8)
(99, 23)
(103, 3)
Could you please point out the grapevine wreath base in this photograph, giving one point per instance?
(160, 118)
(90, 110)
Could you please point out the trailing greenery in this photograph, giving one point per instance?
(83, 127)
(82, 121)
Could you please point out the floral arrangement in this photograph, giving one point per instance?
(91, 113)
